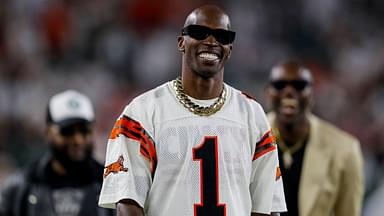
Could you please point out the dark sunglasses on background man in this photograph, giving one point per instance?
(199, 32)
(73, 129)
(298, 85)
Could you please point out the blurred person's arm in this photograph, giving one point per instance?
(350, 197)
(11, 194)
(129, 207)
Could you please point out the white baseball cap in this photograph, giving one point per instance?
(69, 107)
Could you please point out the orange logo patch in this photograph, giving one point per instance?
(278, 173)
(116, 167)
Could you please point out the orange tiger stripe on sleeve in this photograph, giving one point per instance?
(266, 144)
(278, 173)
(132, 129)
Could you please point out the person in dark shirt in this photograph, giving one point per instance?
(65, 181)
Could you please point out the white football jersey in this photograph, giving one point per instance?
(176, 163)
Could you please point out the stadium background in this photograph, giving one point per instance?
(113, 50)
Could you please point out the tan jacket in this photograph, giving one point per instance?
(332, 173)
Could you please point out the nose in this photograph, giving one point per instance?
(79, 138)
(211, 40)
(288, 91)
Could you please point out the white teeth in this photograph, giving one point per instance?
(289, 102)
(208, 56)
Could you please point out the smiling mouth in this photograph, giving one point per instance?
(290, 102)
(209, 56)
(289, 106)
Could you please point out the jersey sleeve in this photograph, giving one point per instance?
(130, 160)
(265, 185)
(278, 199)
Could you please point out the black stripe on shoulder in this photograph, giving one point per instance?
(248, 96)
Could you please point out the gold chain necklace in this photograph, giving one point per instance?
(288, 151)
(195, 108)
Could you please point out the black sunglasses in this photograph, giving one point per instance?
(298, 85)
(71, 130)
(199, 32)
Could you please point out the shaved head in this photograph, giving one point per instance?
(205, 50)
(206, 13)
(293, 69)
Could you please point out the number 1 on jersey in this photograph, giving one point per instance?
(207, 155)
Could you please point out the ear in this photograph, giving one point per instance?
(180, 43)
(51, 131)
(230, 51)
(268, 93)
(311, 101)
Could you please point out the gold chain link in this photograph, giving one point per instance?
(194, 108)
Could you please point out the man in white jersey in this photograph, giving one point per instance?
(194, 146)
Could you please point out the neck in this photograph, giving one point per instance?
(81, 174)
(58, 168)
(294, 132)
(202, 88)
(80, 169)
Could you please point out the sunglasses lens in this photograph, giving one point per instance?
(298, 85)
(224, 36)
(71, 130)
(279, 85)
(202, 32)
(197, 32)
(198, 35)
(67, 131)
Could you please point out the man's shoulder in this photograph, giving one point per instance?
(150, 95)
(15, 181)
(143, 108)
(243, 97)
(334, 133)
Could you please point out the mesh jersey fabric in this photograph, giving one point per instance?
(174, 162)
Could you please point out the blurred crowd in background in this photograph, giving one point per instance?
(112, 50)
